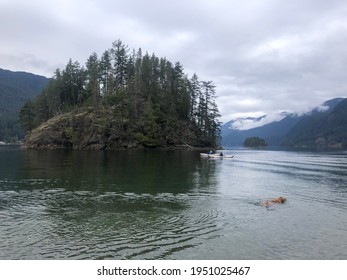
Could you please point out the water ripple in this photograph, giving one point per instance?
(210, 209)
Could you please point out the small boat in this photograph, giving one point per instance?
(220, 156)
(204, 155)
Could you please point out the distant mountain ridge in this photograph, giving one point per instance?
(324, 129)
(272, 132)
(308, 130)
(15, 89)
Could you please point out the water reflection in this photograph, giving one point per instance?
(96, 204)
(146, 171)
(171, 205)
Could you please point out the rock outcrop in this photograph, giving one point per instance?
(99, 129)
(80, 129)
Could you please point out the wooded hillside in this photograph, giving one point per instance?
(15, 89)
(151, 99)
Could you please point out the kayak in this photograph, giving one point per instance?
(204, 155)
(219, 156)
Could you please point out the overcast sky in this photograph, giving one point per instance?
(264, 56)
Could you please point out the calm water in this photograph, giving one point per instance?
(171, 205)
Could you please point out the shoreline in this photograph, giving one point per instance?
(131, 147)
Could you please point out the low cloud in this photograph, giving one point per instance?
(244, 122)
(264, 56)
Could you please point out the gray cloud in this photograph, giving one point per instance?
(265, 56)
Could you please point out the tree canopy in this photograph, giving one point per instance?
(150, 97)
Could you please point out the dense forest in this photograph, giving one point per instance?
(143, 99)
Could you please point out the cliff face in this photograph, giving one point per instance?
(97, 129)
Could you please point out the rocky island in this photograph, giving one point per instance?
(123, 100)
(255, 142)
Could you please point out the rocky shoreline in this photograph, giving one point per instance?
(96, 130)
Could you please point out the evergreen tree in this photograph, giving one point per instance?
(41, 108)
(150, 125)
(136, 87)
(27, 116)
(93, 79)
(106, 73)
(149, 96)
(146, 75)
(195, 91)
(120, 56)
(73, 78)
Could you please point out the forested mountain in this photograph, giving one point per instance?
(326, 129)
(323, 126)
(122, 99)
(273, 133)
(15, 89)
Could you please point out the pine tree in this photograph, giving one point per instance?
(73, 85)
(148, 97)
(27, 116)
(41, 108)
(194, 93)
(93, 79)
(120, 56)
(106, 73)
(150, 125)
(136, 87)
